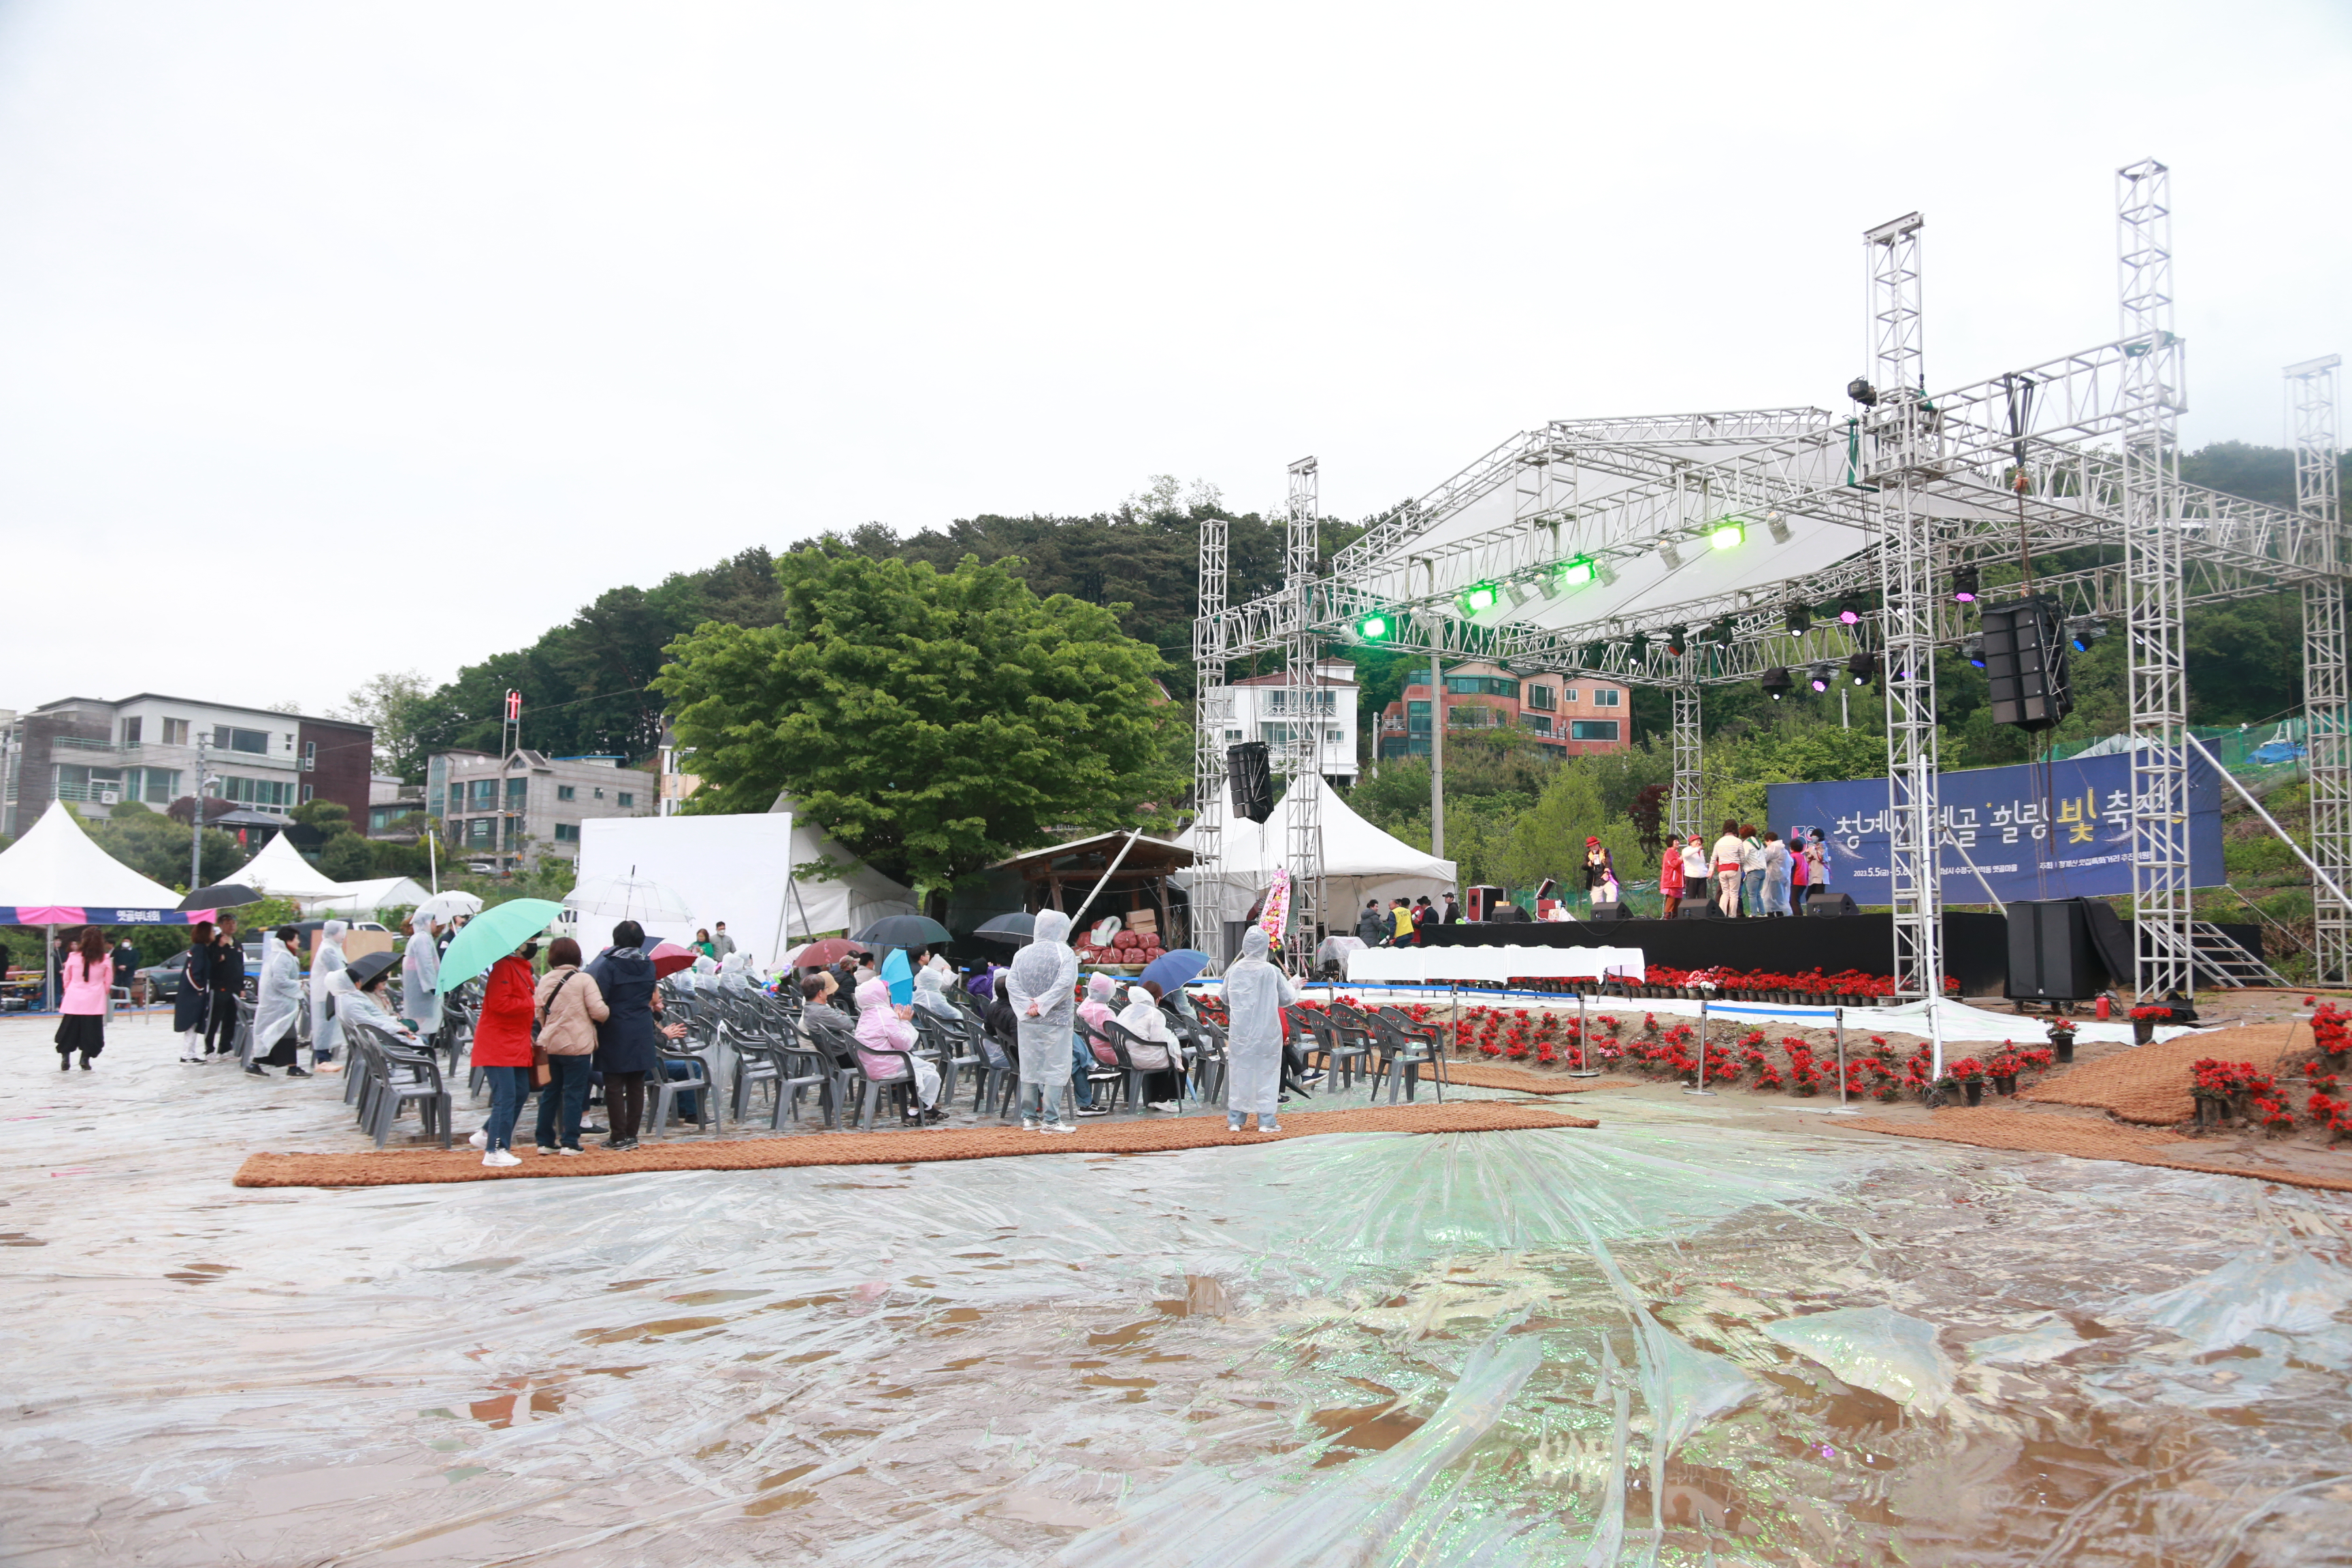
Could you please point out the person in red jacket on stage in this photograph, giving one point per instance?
(502, 1050)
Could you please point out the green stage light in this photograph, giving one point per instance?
(1481, 597)
(1729, 534)
(1579, 571)
(1374, 629)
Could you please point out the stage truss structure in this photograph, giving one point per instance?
(1593, 546)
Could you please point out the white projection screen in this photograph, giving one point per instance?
(733, 868)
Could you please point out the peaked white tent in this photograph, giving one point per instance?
(849, 902)
(57, 866)
(1360, 861)
(365, 898)
(280, 872)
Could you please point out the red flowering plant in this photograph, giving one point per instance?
(2005, 1062)
(2150, 1015)
(2331, 1030)
(2213, 1078)
(1968, 1069)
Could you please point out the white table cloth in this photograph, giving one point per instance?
(1439, 965)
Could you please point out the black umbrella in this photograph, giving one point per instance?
(221, 896)
(1014, 930)
(905, 930)
(362, 970)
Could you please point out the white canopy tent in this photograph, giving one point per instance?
(57, 865)
(279, 871)
(366, 898)
(849, 902)
(1359, 862)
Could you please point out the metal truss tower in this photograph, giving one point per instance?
(1302, 756)
(2150, 402)
(1690, 797)
(1212, 704)
(1903, 447)
(2326, 690)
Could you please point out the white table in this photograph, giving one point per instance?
(1443, 965)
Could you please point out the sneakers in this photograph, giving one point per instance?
(1233, 1123)
(563, 1150)
(1165, 1106)
(1094, 1111)
(549, 1148)
(255, 1069)
(495, 1157)
(1264, 1126)
(620, 1145)
(480, 1139)
(296, 1072)
(1059, 1127)
(1029, 1124)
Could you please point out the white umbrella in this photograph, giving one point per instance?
(443, 907)
(630, 898)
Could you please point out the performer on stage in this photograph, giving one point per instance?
(1670, 877)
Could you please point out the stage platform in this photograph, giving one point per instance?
(1976, 945)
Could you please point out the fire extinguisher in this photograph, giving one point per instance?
(2103, 1005)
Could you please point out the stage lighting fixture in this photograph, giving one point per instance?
(1777, 683)
(1595, 655)
(1798, 619)
(1548, 585)
(1850, 610)
(1674, 557)
(1480, 598)
(1974, 649)
(1579, 571)
(1375, 628)
(1729, 534)
(1519, 592)
(1678, 641)
(1638, 648)
(1818, 675)
(2084, 630)
(1861, 667)
(1779, 526)
(1861, 392)
(1964, 584)
(1721, 632)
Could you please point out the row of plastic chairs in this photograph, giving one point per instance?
(382, 1077)
(1383, 1045)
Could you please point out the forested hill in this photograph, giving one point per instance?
(584, 682)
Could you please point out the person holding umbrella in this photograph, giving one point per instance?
(193, 999)
(226, 975)
(359, 996)
(502, 1050)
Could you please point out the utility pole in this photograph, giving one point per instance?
(1436, 754)
(509, 739)
(196, 813)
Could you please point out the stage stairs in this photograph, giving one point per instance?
(2224, 963)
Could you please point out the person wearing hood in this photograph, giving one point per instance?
(883, 1028)
(327, 961)
(1256, 994)
(1096, 1011)
(1038, 989)
(931, 995)
(1157, 1055)
(420, 977)
(193, 999)
(628, 1041)
(358, 991)
(277, 1002)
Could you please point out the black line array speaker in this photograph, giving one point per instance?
(2026, 662)
(2050, 951)
(1251, 769)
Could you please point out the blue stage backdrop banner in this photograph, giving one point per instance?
(2073, 842)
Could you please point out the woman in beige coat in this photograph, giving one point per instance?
(568, 1008)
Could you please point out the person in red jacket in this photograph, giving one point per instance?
(502, 1050)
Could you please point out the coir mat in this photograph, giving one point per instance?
(2084, 1138)
(2149, 1083)
(384, 1168)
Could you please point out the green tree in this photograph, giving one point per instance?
(932, 722)
(155, 846)
(399, 704)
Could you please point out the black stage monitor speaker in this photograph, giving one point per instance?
(1253, 777)
(1508, 914)
(2025, 663)
(2050, 951)
(1483, 902)
(1830, 905)
(1700, 910)
(1603, 913)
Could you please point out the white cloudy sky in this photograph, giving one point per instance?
(398, 331)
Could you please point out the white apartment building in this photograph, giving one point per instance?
(1261, 712)
(543, 799)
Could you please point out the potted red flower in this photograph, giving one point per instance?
(2062, 1038)
(1970, 1074)
(2144, 1021)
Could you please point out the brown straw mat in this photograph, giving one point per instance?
(2083, 1137)
(2149, 1083)
(375, 1168)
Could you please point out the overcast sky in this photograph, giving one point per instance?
(392, 334)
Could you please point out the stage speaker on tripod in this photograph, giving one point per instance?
(2026, 662)
(1253, 774)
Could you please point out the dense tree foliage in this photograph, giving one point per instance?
(933, 721)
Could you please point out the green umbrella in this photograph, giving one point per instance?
(492, 934)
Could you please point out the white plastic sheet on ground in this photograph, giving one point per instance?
(1875, 1348)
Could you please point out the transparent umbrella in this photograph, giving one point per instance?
(443, 907)
(629, 898)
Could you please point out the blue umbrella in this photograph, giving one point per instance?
(900, 974)
(1174, 968)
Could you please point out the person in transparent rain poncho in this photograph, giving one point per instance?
(420, 978)
(278, 998)
(1256, 994)
(1040, 987)
(327, 961)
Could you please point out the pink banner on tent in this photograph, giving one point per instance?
(49, 914)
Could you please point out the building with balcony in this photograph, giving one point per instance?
(1566, 714)
(541, 799)
(1261, 712)
(152, 749)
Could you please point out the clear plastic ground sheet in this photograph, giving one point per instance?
(1693, 1335)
